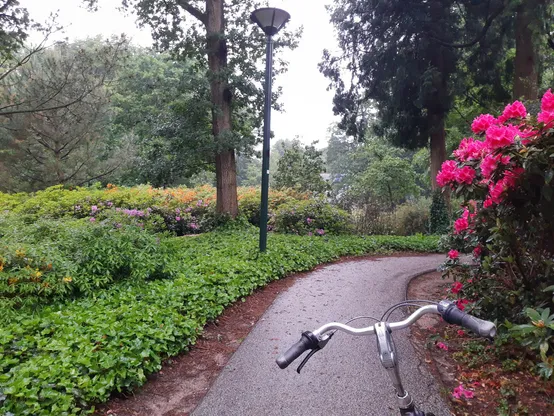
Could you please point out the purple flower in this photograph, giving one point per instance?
(309, 220)
(177, 218)
(177, 211)
(117, 209)
(310, 234)
(94, 208)
(133, 213)
(199, 203)
(194, 226)
(149, 210)
(109, 203)
(117, 225)
(189, 209)
(92, 219)
(320, 231)
(77, 207)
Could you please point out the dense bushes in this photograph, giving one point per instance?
(62, 357)
(178, 210)
(311, 217)
(507, 221)
(54, 259)
(406, 219)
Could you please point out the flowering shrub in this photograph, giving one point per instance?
(505, 177)
(312, 217)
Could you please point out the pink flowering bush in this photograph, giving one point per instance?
(505, 175)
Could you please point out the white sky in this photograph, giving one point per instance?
(307, 103)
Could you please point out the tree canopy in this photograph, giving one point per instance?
(218, 35)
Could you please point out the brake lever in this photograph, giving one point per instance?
(322, 343)
(305, 360)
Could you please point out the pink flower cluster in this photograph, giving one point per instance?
(453, 254)
(461, 392)
(463, 223)
(546, 115)
(469, 149)
(442, 346)
(490, 163)
(514, 110)
(456, 287)
(482, 123)
(500, 136)
(476, 161)
(451, 173)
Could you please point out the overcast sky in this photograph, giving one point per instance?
(308, 105)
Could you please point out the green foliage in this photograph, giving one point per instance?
(390, 180)
(162, 106)
(409, 218)
(439, 220)
(64, 357)
(250, 199)
(312, 217)
(301, 168)
(54, 128)
(394, 53)
(53, 259)
(14, 24)
(538, 336)
(412, 218)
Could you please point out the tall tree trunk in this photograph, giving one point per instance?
(437, 106)
(225, 167)
(437, 137)
(526, 80)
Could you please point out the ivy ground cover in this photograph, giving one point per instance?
(61, 356)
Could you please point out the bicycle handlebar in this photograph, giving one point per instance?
(451, 314)
(448, 310)
(308, 342)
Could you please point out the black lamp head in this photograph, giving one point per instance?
(270, 19)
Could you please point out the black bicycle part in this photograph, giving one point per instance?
(305, 360)
(308, 341)
(453, 315)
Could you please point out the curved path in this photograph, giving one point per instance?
(345, 378)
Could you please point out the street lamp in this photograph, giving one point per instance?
(270, 20)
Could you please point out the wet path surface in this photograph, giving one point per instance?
(346, 378)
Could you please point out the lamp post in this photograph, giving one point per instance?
(270, 20)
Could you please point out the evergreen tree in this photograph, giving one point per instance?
(405, 57)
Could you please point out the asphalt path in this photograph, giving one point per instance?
(345, 378)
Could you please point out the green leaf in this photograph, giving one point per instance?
(533, 314)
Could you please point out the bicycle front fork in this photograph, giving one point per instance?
(387, 355)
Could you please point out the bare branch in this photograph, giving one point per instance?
(193, 11)
(484, 31)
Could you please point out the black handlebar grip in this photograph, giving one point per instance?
(483, 328)
(307, 342)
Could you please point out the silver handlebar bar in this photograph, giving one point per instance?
(369, 330)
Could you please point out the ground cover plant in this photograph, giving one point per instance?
(506, 221)
(121, 299)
